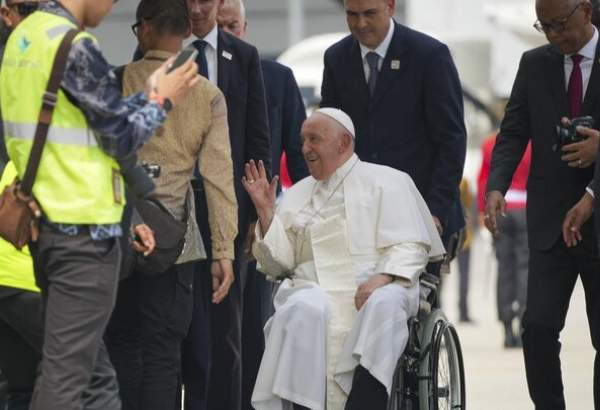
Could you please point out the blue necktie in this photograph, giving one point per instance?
(201, 59)
(373, 62)
(203, 71)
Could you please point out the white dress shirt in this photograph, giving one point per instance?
(210, 51)
(381, 51)
(588, 52)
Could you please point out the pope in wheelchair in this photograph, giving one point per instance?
(349, 243)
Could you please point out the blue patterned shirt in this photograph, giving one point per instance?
(121, 125)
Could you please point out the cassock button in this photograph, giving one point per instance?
(374, 156)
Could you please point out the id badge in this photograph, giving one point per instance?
(117, 185)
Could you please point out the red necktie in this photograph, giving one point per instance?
(575, 90)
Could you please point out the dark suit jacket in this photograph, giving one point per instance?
(241, 81)
(537, 103)
(414, 122)
(286, 114)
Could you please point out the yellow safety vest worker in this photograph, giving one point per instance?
(77, 182)
(16, 266)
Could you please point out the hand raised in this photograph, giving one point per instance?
(261, 191)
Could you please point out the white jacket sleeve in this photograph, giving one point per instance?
(405, 260)
(275, 252)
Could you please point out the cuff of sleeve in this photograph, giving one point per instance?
(270, 236)
(223, 250)
(405, 261)
(590, 191)
(401, 280)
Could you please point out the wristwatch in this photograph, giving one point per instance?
(167, 105)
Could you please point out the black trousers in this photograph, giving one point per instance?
(366, 393)
(552, 277)
(512, 253)
(464, 266)
(144, 337)
(20, 345)
(220, 360)
(225, 385)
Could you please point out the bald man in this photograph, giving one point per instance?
(350, 260)
(561, 79)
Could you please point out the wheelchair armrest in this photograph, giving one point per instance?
(429, 281)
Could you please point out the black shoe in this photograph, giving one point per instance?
(465, 319)
(510, 339)
(518, 341)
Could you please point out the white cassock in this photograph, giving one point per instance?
(332, 236)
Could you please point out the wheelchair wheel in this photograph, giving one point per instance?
(441, 374)
(397, 393)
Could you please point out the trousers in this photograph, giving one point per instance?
(78, 278)
(144, 337)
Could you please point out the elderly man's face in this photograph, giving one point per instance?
(321, 146)
(567, 23)
(231, 20)
(203, 15)
(369, 20)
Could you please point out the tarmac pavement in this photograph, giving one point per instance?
(495, 377)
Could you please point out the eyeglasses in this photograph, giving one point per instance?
(25, 9)
(557, 26)
(135, 27)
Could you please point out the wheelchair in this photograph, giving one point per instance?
(430, 373)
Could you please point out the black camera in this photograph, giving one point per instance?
(569, 135)
(139, 177)
(153, 170)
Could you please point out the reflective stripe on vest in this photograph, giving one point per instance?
(77, 182)
(55, 134)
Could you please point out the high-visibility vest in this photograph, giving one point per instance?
(16, 266)
(77, 182)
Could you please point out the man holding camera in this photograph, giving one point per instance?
(555, 81)
(154, 309)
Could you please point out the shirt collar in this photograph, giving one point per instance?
(212, 37)
(159, 55)
(589, 50)
(382, 48)
(340, 173)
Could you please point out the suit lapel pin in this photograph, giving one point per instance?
(395, 65)
(227, 55)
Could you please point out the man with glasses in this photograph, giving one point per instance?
(212, 353)
(553, 81)
(153, 312)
